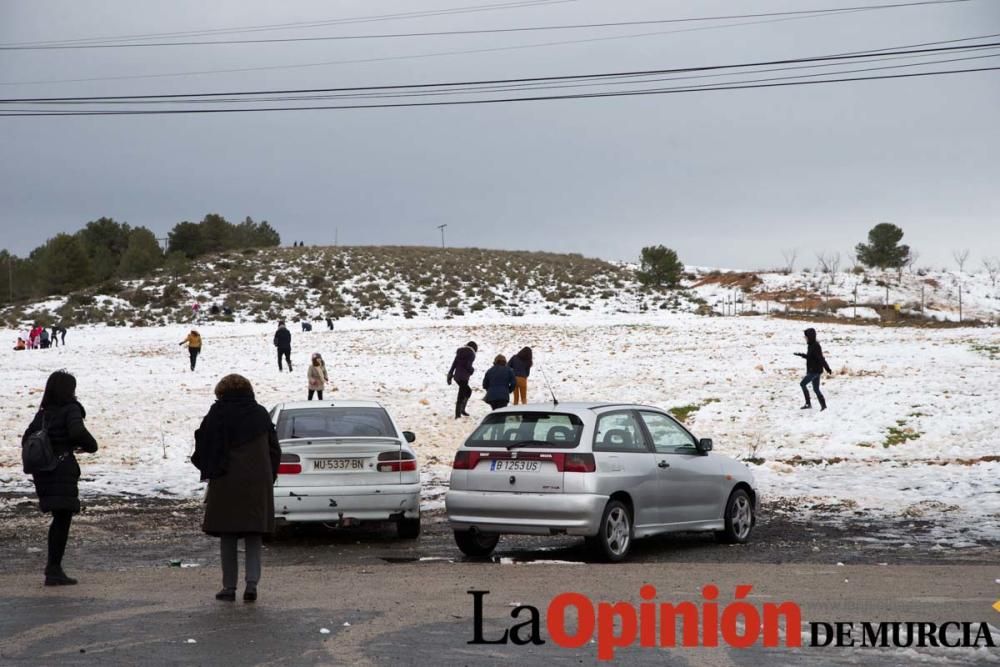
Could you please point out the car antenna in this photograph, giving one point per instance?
(555, 401)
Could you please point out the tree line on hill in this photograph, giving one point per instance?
(106, 249)
(660, 266)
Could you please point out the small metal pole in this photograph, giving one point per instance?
(441, 227)
(959, 302)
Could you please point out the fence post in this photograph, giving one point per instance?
(960, 302)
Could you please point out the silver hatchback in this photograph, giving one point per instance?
(610, 473)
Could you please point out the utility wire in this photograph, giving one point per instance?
(571, 77)
(574, 96)
(483, 31)
(306, 24)
(433, 54)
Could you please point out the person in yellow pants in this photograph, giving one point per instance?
(520, 363)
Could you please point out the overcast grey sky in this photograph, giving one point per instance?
(725, 178)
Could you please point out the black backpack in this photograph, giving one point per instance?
(37, 454)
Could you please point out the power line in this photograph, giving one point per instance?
(309, 24)
(456, 84)
(575, 96)
(434, 54)
(483, 31)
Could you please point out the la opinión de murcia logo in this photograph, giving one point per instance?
(572, 620)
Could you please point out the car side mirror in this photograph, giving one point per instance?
(409, 436)
(705, 445)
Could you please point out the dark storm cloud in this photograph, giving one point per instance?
(727, 178)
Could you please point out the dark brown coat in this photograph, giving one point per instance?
(242, 500)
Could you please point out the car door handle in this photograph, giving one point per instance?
(663, 464)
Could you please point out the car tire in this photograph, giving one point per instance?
(408, 529)
(281, 531)
(476, 545)
(614, 541)
(739, 518)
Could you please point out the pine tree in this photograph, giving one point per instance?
(142, 255)
(883, 250)
(660, 266)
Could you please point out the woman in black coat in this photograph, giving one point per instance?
(62, 416)
(461, 372)
(237, 451)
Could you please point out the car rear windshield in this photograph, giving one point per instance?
(529, 429)
(334, 422)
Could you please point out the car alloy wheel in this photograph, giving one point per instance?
(739, 518)
(614, 540)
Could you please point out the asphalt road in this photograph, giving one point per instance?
(421, 613)
(386, 601)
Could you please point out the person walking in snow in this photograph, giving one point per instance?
(283, 341)
(237, 452)
(43, 338)
(61, 415)
(193, 341)
(520, 363)
(815, 365)
(61, 330)
(461, 372)
(317, 376)
(499, 381)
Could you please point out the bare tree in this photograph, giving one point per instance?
(824, 262)
(992, 266)
(911, 261)
(961, 256)
(853, 259)
(834, 260)
(790, 255)
(828, 262)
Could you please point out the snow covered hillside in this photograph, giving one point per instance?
(404, 283)
(910, 433)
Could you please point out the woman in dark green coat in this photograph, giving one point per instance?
(62, 416)
(237, 451)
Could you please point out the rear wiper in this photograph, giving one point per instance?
(527, 443)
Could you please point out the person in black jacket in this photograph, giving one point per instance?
(520, 363)
(815, 365)
(461, 372)
(283, 341)
(62, 416)
(498, 383)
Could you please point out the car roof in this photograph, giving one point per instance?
(575, 406)
(303, 405)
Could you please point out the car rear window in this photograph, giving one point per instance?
(334, 422)
(540, 429)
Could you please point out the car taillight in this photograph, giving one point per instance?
(397, 462)
(579, 463)
(465, 460)
(289, 465)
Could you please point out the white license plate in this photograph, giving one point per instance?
(506, 465)
(338, 464)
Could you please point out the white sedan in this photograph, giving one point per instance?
(343, 463)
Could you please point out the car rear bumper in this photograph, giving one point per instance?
(347, 503)
(525, 513)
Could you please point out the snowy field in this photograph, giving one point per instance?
(910, 434)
